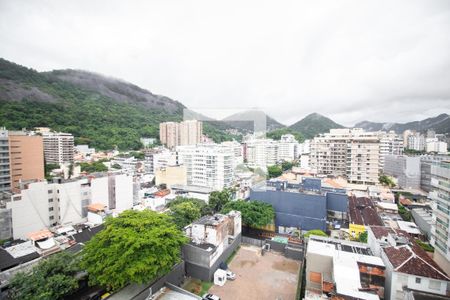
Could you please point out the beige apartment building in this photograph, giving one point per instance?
(352, 153)
(26, 154)
(172, 134)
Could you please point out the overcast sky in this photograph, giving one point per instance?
(349, 60)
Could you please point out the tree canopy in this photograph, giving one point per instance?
(184, 213)
(202, 206)
(274, 171)
(254, 213)
(386, 180)
(134, 247)
(96, 166)
(50, 279)
(218, 199)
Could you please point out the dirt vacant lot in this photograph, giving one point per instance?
(271, 276)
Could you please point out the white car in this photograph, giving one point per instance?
(231, 275)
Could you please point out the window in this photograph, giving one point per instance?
(434, 285)
(50, 209)
(418, 280)
(50, 200)
(50, 191)
(51, 217)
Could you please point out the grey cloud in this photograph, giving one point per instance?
(350, 60)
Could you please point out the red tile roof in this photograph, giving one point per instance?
(363, 212)
(414, 260)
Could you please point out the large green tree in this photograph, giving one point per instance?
(254, 213)
(218, 199)
(134, 247)
(274, 171)
(200, 204)
(184, 213)
(50, 279)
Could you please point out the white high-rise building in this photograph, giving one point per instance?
(287, 148)
(260, 153)
(390, 144)
(208, 165)
(58, 147)
(416, 141)
(434, 145)
(440, 230)
(5, 173)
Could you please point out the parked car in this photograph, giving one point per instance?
(231, 275)
(210, 297)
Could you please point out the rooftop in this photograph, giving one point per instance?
(414, 260)
(409, 227)
(362, 211)
(347, 259)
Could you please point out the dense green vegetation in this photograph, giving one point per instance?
(408, 151)
(313, 124)
(386, 180)
(254, 213)
(315, 232)
(404, 213)
(135, 247)
(48, 168)
(184, 213)
(50, 279)
(218, 199)
(93, 119)
(363, 237)
(274, 171)
(424, 246)
(200, 204)
(277, 133)
(96, 166)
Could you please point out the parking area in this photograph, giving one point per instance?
(271, 276)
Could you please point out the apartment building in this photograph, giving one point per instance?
(5, 173)
(352, 153)
(288, 148)
(172, 134)
(158, 158)
(208, 165)
(416, 141)
(390, 144)
(260, 153)
(41, 205)
(434, 145)
(26, 154)
(440, 195)
(407, 170)
(58, 147)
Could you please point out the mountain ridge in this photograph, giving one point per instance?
(439, 123)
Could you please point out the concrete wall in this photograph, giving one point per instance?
(203, 272)
(124, 192)
(142, 291)
(306, 211)
(5, 223)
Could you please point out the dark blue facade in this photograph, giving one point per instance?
(302, 208)
(295, 209)
(337, 202)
